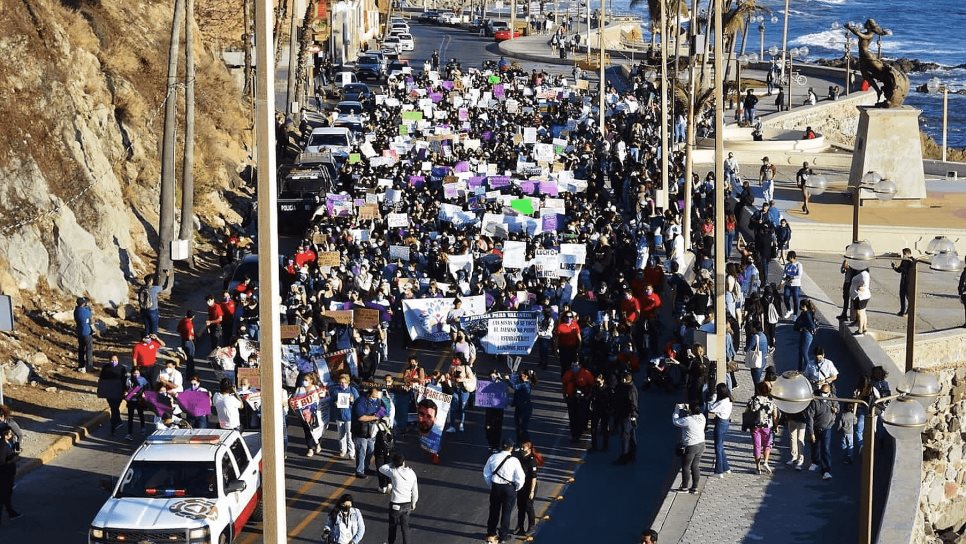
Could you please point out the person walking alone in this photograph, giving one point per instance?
(819, 422)
(766, 414)
(403, 498)
(110, 387)
(904, 269)
(505, 477)
(691, 422)
(84, 323)
(9, 456)
(530, 460)
(766, 179)
(625, 415)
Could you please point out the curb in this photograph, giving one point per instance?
(533, 58)
(63, 443)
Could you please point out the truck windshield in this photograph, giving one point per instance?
(166, 479)
(317, 140)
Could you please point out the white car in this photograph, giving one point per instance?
(397, 20)
(195, 486)
(392, 44)
(450, 19)
(398, 28)
(406, 42)
(338, 140)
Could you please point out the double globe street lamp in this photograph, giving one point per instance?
(942, 257)
(904, 418)
(883, 189)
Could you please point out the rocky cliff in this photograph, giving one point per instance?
(82, 84)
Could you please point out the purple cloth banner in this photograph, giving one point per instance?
(417, 181)
(475, 181)
(448, 85)
(159, 404)
(195, 403)
(497, 182)
(548, 188)
(528, 187)
(462, 166)
(549, 222)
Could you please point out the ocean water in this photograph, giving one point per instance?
(928, 30)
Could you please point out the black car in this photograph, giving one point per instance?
(475, 25)
(370, 67)
(430, 17)
(356, 92)
(302, 187)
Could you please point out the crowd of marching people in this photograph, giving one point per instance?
(494, 192)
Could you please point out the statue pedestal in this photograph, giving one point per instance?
(887, 142)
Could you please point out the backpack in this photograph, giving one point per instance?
(144, 297)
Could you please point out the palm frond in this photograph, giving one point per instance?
(734, 20)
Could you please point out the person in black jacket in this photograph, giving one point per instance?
(8, 471)
(625, 414)
(904, 269)
(819, 421)
(601, 413)
(110, 386)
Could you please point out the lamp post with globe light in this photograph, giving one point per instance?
(935, 85)
(761, 33)
(943, 258)
(800, 52)
(883, 188)
(904, 418)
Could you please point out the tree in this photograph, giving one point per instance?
(168, 188)
(187, 179)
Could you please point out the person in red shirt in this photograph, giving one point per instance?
(566, 340)
(630, 307)
(228, 318)
(186, 330)
(654, 274)
(578, 382)
(216, 315)
(304, 256)
(145, 357)
(650, 306)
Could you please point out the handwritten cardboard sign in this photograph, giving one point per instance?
(365, 318)
(289, 332)
(253, 375)
(329, 258)
(342, 317)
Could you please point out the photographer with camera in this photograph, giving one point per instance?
(691, 422)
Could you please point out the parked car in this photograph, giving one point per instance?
(370, 67)
(407, 43)
(356, 92)
(396, 67)
(450, 19)
(501, 35)
(398, 28)
(338, 140)
(475, 24)
(392, 43)
(349, 107)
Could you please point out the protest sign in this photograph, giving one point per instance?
(399, 252)
(342, 317)
(426, 318)
(504, 333)
(397, 220)
(338, 205)
(522, 205)
(547, 263)
(549, 222)
(460, 262)
(355, 158)
(365, 318)
(514, 254)
(288, 332)
(253, 374)
(529, 135)
(548, 188)
(368, 212)
(329, 258)
(432, 409)
(490, 394)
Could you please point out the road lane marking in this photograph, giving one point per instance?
(313, 514)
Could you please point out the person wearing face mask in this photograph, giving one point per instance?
(213, 324)
(110, 386)
(345, 524)
(567, 341)
(819, 422)
(545, 330)
(145, 357)
(578, 382)
(625, 415)
(198, 421)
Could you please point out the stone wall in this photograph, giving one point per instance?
(837, 120)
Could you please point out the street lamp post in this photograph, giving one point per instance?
(904, 418)
(795, 52)
(935, 85)
(943, 259)
(883, 189)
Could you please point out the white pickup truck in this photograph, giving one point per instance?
(197, 486)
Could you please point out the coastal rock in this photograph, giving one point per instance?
(19, 374)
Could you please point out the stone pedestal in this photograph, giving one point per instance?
(887, 142)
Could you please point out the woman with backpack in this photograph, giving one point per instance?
(771, 304)
(764, 415)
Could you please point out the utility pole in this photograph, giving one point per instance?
(187, 228)
(720, 318)
(603, 80)
(662, 200)
(168, 189)
(513, 17)
(273, 455)
(291, 93)
(247, 44)
(688, 157)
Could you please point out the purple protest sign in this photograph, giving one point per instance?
(498, 91)
(157, 403)
(548, 188)
(417, 181)
(549, 222)
(474, 182)
(338, 205)
(490, 394)
(487, 135)
(450, 191)
(497, 182)
(448, 85)
(462, 166)
(195, 403)
(359, 202)
(528, 187)
(436, 97)
(464, 114)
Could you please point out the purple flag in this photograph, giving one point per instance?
(195, 403)
(497, 182)
(436, 97)
(448, 85)
(528, 187)
(462, 166)
(548, 188)
(157, 403)
(417, 181)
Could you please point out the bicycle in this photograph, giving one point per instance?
(797, 77)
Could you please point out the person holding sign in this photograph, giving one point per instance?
(464, 385)
(343, 396)
(136, 385)
(412, 375)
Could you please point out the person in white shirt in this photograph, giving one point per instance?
(171, 378)
(732, 171)
(821, 371)
(402, 500)
(793, 284)
(504, 475)
(691, 421)
(227, 406)
(721, 406)
(860, 293)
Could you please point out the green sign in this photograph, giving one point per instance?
(494, 80)
(522, 205)
(403, 130)
(412, 116)
(354, 158)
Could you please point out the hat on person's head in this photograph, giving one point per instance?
(506, 444)
(764, 159)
